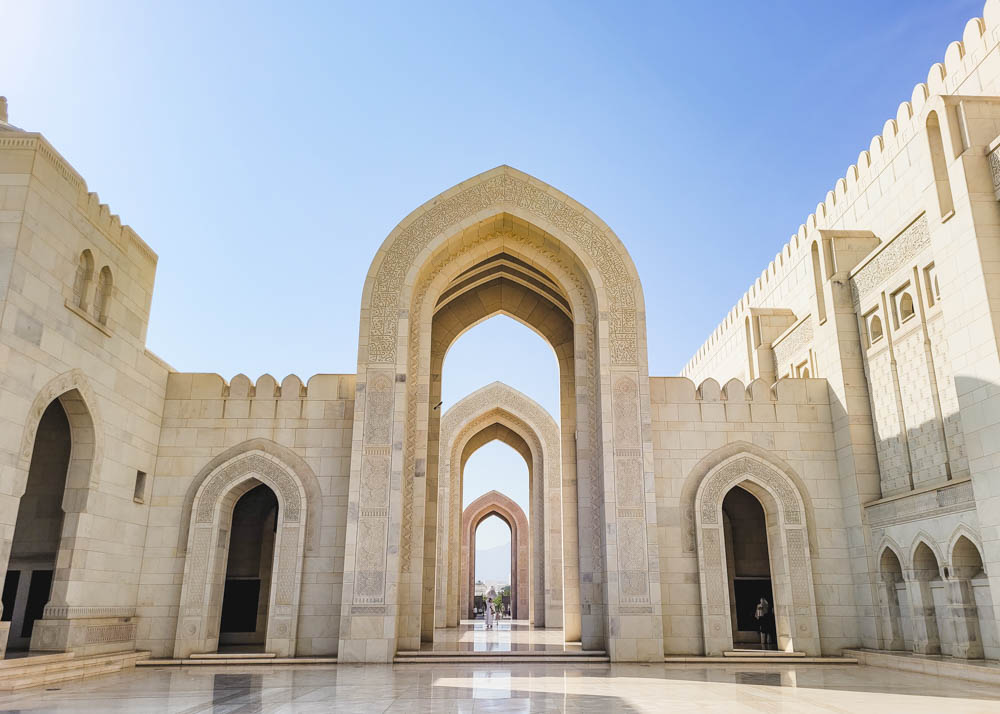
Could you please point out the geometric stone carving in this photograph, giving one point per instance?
(503, 188)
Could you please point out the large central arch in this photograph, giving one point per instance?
(498, 235)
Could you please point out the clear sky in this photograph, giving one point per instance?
(264, 150)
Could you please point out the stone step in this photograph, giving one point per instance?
(220, 661)
(761, 653)
(530, 654)
(233, 655)
(975, 670)
(755, 659)
(46, 670)
(508, 658)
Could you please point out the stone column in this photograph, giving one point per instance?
(963, 613)
(926, 639)
(892, 620)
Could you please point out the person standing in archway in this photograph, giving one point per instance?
(764, 617)
(490, 607)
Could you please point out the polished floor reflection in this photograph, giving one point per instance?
(505, 636)
(512, 688)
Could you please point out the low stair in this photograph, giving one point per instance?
(228, 658)
(495, 656)
(50, 669)
(758, 657)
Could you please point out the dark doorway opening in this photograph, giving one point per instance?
(243, 625)
(749, 569)
(38, 529)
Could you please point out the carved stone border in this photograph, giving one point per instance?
(208, 549)
(502, 192)
(788, 549)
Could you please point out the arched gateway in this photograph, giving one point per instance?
(502, 242)
(500, 412)
(494, 503)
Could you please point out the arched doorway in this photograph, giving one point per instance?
(965, 573)
(489, 504)
(788, 551)
(748, 569)
(243, 622)
(493, 570)
(923, 578)
(59, 450)
(890, 585)
(39, 528)
(502, 242)
(499, 412)
(213, 524)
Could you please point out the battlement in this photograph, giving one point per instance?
(961, 60)
(88, 202)
(208, 385)
(670, 390)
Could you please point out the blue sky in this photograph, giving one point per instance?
(264, 150)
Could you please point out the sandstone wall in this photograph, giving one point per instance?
(789, 424)
(204, 418)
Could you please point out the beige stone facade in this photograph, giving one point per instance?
(832, 448)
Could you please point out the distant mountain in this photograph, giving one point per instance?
(494, 563)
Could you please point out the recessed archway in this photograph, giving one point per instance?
(499, 412)
(788, 551)
(60, 457)
(489, 504)
(199, 621)
(501, 234)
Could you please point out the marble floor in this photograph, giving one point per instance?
(414, 688)
(505, 636)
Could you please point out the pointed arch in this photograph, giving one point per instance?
(923, 537)
(489, 504)
(501, 229)
(964, 531)
(697, 474)
(73, 389)
(791, 562)
(298, 465)
(888, 544)
(208, 547)
(462, 430)
(392, 273)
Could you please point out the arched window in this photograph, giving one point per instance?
(84, 276)
(818, 280)
(905, 307)
(946, 204)
(875, 329)
(102, 300)
(749, 336)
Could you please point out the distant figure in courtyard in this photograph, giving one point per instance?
(764, 618)
(490, 608)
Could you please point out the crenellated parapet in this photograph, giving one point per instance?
(208, 385)
(665, 390)
(74, 188)
(959, 74)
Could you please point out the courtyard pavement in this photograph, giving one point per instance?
(413, 688)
